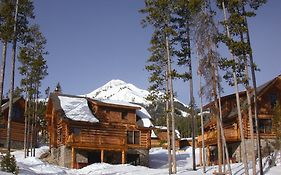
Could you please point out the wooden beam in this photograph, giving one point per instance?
(123, 157)
(208, 155)
(73, 157)
(102, 155)
(201, 157)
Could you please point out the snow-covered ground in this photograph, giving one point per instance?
(158, 163)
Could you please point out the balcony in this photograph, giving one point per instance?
(231, 135)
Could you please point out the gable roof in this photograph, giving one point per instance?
(77, 108)
(73, 107)
(5, 102)
(260, 90)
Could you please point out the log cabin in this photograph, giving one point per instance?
(83, 131)
(268, 94)
(159, 137)
(17, 123)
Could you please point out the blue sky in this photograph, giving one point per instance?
(94, 41)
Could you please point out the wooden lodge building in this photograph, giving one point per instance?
(159, 137)
(17, 123)
(83, 131)
(268, 95)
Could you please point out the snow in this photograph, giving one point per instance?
(77, 109)
(118, 89)
(184, 114)
(158, 165)
(145, 118)
(122, 91)
(153, 135)
(117, 102)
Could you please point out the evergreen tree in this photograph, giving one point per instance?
(240, 49)
(158, 15)
(23, 12)
(33, 69)
(6, 33)
(182, 21)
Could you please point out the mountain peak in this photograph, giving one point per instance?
(115, 82)
(119, 90)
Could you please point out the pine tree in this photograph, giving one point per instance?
(23, 12)
(33, 69)
(6, 33)
(159, 17)
(182, 22)
(9, 164)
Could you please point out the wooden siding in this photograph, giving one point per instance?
(17, 133)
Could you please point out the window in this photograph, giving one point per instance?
(16, 113)
(265, 125)
(133, 137)
(136, 137)
(273, 99)
(124, 115)
(76, 131)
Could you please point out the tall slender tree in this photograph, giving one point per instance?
(33, 69)
(6, 33)
(182, 19)
(159, 17)
(23, 11)
(12, 79)
(230, 31)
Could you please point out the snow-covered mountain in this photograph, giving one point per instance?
(120, 91)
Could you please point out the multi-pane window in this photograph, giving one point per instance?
(265, 125)
(133, 137)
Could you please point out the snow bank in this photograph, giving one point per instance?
(158, 165)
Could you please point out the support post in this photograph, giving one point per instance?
(73, 157)
(102, 155)
(201, 157)
(208, 155)
(123, 157)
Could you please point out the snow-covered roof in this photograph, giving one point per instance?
(76, 108)
(153, 135)
(165, 128)
(145, 118)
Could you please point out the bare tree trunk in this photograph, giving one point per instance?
(174, 166)
(221, 124)
(252, 65)
(12, 81)
(2, 76)
(168, 123)
(192, 102)
(245, 162)
(250, 116)
(28, 127)
(202, 124)
(25, 125)
(36, 118)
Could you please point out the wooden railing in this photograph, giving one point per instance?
(210, 137)
(98, 140)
